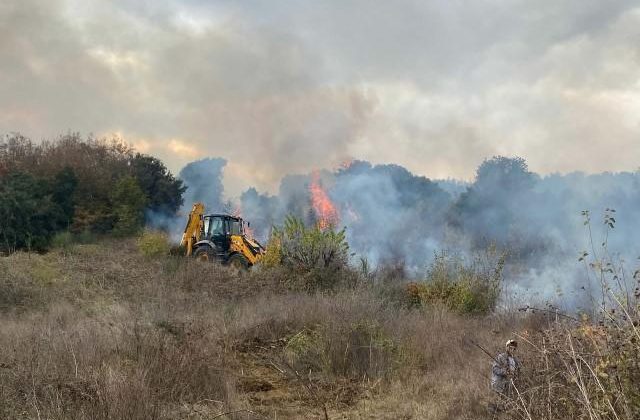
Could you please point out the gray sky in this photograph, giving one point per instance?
(289, 86)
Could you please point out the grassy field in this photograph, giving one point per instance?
(101, 331)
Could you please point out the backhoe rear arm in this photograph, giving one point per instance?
(192, 231)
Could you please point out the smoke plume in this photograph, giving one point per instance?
(392, 215)
(203, 179)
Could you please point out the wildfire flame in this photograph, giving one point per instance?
(323, 207)
(344, 164)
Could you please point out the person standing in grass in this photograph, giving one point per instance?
(504, 370)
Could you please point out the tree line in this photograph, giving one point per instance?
(78, 185)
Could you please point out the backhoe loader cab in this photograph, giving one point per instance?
(219, 237)
(218, 228)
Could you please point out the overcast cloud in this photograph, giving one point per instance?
(277, 87)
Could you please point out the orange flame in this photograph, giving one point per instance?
(325, 210)
(346, 164)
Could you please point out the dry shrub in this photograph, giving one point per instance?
(588, 369)
(411, 360)
(154, 243)
(273, 255)
(471, 289)
(61, 366)
(582, 370)
(334, 335)
(26, 280)
(349, 340)
(119, 335)
(16, 296)
(318, 256)
(62, 240)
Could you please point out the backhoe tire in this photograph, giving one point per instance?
(204, 253)
(238, 262)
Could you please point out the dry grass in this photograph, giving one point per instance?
(102, 332)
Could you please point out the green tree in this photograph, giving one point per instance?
(317, 255)
(28, 216)
(490, 208)
(63, 189)
(82, 173)
(96, 163)
(162, 189)
(128, 203)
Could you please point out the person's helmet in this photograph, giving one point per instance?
(513, 343)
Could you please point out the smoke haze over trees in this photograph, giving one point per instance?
(203, 179)
(392, 215)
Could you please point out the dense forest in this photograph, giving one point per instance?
(78, 185)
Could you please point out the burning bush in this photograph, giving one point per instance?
(318, 254)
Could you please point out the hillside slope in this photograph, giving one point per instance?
(99, 331)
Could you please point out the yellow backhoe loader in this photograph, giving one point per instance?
(219, 237)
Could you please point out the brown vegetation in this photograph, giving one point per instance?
(103, 331)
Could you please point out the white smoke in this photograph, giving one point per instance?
(393, 216)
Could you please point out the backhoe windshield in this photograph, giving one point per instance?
(215, 226)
